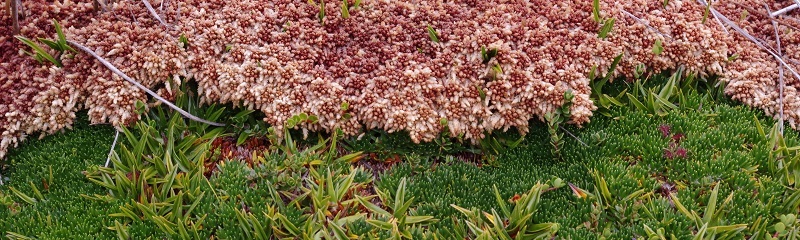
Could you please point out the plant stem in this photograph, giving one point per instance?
(142, 87)
(153, 12)
(573, 136)
(14, 16)
(114, 144)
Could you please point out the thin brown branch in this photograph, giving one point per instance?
(14, 16)
(142, 87)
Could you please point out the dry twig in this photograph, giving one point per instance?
(710, 6)
(154, 13)
(645, 24)
(786, 9)
(573, 136)
(744, 33)
(140, 86)
(113, 145)
(767, 15)
(21, 9)
(780, 68)
(14, 15)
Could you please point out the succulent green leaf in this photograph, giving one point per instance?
(432, 34)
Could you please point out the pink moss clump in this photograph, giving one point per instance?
(279, 58)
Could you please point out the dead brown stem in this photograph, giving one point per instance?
(14, 16)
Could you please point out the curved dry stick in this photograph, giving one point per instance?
(14, 15)
(153, 12)
(573, 136)
(785, 10)
(645, 24)
(717, 18)
(751, 38)
(779, 21)
(114, 144)
(140, 86)
(762, 46)
(780, 67)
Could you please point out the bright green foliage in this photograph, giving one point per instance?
(157, 172)
(608, 25)
(656, 103)
(450, 181)
(345, 9)
(596, 11)
(321, 14)
(612, 209)
(487, 55)
(184, 41)
(52, 167)
(432, 34)
(732, 179)
(604, 100)
(59, 45)
(402, 220)
(706, 12)
(656, 95)
(657, 48)
(627, 178)
(300, 119)
(783, 158)
(554, 120)
(158, 178)
(787, 228)
(709, 224)
(516, 222)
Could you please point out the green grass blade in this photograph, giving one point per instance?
(23, 196)
(432, 34)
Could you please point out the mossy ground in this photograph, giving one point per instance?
(63, 213)
(722, 142)
(722, 146)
